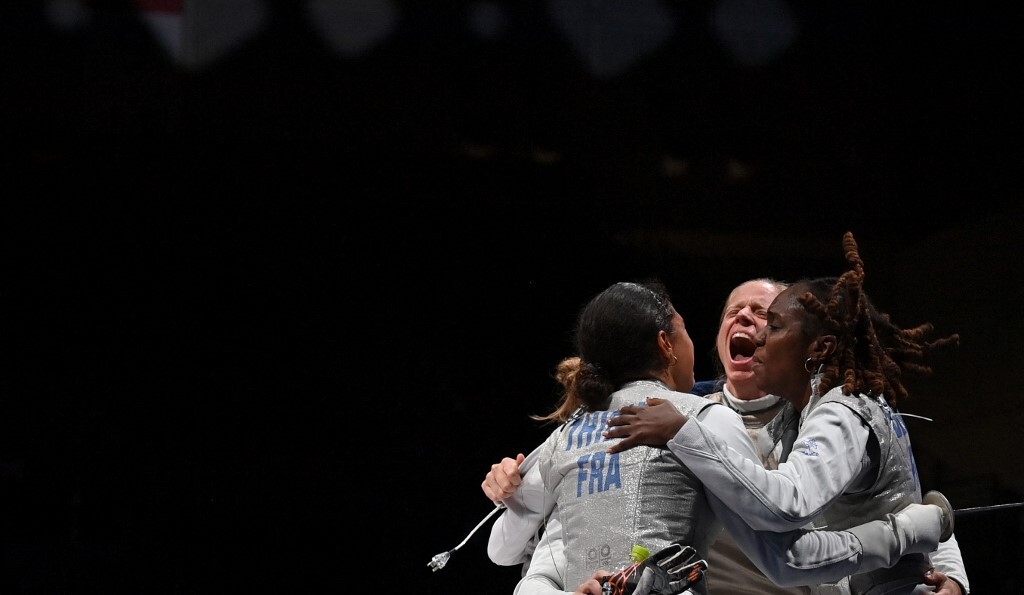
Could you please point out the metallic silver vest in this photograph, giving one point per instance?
(896, 484)
(608, 503)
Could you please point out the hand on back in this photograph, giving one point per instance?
(651, 425)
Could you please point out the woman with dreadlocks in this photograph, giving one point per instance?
(632, 344)
(845, 455)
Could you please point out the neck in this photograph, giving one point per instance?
(665, 378)
(652, 378)
(744, 390)
(750, 405)
(802, 400)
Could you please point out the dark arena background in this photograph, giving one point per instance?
(284, 278)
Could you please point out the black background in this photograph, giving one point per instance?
(270, 320)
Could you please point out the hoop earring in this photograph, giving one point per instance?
(675, 360)
(816, 384)
(807, 366)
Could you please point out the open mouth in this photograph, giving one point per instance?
(741, 347)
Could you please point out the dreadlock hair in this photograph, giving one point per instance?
(872, 353)
(616, 338)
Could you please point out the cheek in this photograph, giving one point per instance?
(773, 350)
(722, 340)
(782, 352)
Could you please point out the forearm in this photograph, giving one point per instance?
(535, 584)
(828, 456)
(547, 565)
(748, 488)
(528, 508)
(512, 531)
(793, 558)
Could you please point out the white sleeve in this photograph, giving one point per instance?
(547, 566)
(788, 559)
(794, 558)
(828, 456)
(513, 531)
(727, 425)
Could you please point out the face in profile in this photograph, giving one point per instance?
(682, 348)
(778, 361)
